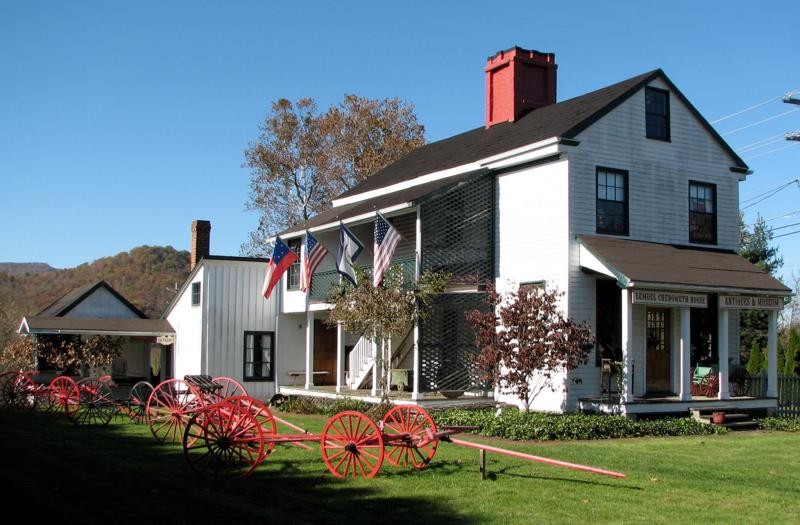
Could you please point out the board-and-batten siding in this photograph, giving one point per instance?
(235, 305)
(102, 304)
(533, 239)
(658, 187)
(187, 320)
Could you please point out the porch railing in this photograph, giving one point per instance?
(788, 393)
(322, 282)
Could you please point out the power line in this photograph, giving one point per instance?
(726, 117)
(740, 148)
(776, 188)
(773, 117)
(771, 193)
(786, 226)
(771, 151)
(786, 234)
(784, 216)
(764, 145)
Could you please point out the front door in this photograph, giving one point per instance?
(658, 350)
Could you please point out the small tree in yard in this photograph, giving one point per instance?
(18, 354)
(524, 339)
(386, 311)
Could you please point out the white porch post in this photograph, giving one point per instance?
(339, 357)
(415, 395)
(387, 368)
(375, 378)
(415, 388)
(722, 352)
(626, 395)
(772, 354)
(686, 354)
(309, 349)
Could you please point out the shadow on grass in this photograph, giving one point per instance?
(120, 474)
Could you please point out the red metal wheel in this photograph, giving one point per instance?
(263, 416)
(223, 440)
(230, 388)
(96, 405)
(18, 392)
(352, 445)
(169, 408)
(64, 394)
(409, 436)
(137, 400)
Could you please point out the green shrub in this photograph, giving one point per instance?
(786, 424)
(516, 425)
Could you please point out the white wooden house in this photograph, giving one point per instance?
(625, 199)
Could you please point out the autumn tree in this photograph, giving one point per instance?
(303, 157)
(386, 311)
(71, 353)
(17, 354)
(755, 246)
(524, 340)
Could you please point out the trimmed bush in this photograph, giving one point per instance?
(785, 424)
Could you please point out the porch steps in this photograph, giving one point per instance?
(733, 420)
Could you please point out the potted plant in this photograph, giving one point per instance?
(718, 418)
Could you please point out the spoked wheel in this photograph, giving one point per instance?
(352, 445)
(41, 395)
(64, 395)
(230, 388)
(263, 416)
(223, 440)
(18, 393)
(413, 441)
(5, 378)
(169, 408)
(137, 401)
(96, 405)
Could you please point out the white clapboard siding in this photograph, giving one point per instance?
(187, 321)
(101, 303)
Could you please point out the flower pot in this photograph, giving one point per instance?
(718, 418)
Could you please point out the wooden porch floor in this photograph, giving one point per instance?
(672, 404)
(427, 400)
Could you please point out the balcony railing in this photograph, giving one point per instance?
(322, 282)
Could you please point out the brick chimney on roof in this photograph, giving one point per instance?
(201, 242)
(518, 81)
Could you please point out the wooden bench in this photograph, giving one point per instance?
(294, 374)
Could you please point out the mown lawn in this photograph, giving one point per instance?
(51, 470)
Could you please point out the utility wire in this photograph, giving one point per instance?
(726, 117)
(776, 188)
(765, 196)
(771, 151)
(763, 144)
(786, 226)
(773, 117)
(784, 216)
(786, 234)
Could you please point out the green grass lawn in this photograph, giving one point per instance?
(51, 470)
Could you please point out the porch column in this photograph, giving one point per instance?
(772, 354)
(415, 388)
(415, 395)
(626, 395)
(309, 349)
(340, 380)
(375, 377)
(722, 352)
(686, 354)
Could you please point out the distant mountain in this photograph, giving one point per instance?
(22, 268)
(146, 276)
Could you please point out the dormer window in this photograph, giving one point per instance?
(657, 113)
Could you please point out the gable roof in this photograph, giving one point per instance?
(62, 306)
(565, 119)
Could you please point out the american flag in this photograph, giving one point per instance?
(386, 239)
(312, 253)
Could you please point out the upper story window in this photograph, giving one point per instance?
(195, 294)
(612, 201)
(702, 213)
(293, 274)
(259, 355)
(657, 113)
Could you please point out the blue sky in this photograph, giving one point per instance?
(121, 122)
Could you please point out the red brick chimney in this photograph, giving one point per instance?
(518, 81)
(201, 242)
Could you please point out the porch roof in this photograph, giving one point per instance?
(94, 326)
(651, 265)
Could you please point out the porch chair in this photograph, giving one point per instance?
(705, 381)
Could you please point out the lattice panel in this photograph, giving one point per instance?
(458, 231)
(447, 344)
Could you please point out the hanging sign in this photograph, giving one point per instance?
(165, 340)
(661, 298)
(750, 302)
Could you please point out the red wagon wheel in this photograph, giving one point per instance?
(230, 388)
(223, 440)
(137, 400)
(263, 416)
(352, 445)
(18, 392)
(409, 434)
(96, 405)
(169, 408)
(64, 394)
(5, 378)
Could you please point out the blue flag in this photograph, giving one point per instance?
(349, 248)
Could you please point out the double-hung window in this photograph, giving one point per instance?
(657, 113)
(293, 274)
(196, 294)
(702, 213)
(612, 201)
(259, 356)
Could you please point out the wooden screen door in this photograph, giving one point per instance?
(658, 350)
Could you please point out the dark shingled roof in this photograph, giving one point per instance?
(653, 263)
(90, 325)
(71, 299)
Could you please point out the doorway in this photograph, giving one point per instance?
(657, 335)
